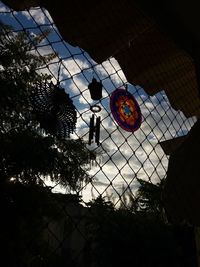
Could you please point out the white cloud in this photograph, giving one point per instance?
(127, 155)
(74, 66)
(4, 8)
(40, 16)
(140, 155)
(110, 68)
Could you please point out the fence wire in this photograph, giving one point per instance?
(123, 158)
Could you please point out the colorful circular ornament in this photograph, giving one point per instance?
(125, 110)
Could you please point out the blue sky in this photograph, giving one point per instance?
(126, 155)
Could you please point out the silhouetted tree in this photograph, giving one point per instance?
(27, 153)
(149, 197)
(146, 200)
(120, 237)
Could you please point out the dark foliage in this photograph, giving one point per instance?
(122, 238)
(27, 153)
(28, 211)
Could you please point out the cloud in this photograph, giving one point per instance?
(125, 156)
(138, 154)
(38, 15)
(111, 68)
(74, 66)
(131, 155)
(3, 8)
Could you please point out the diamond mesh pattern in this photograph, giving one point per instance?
(122, 157)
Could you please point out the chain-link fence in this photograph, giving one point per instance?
(88, 225)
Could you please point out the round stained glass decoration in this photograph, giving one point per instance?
(125, 110)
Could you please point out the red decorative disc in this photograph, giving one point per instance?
(125, 110)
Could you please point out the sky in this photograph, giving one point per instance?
(124, 156)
